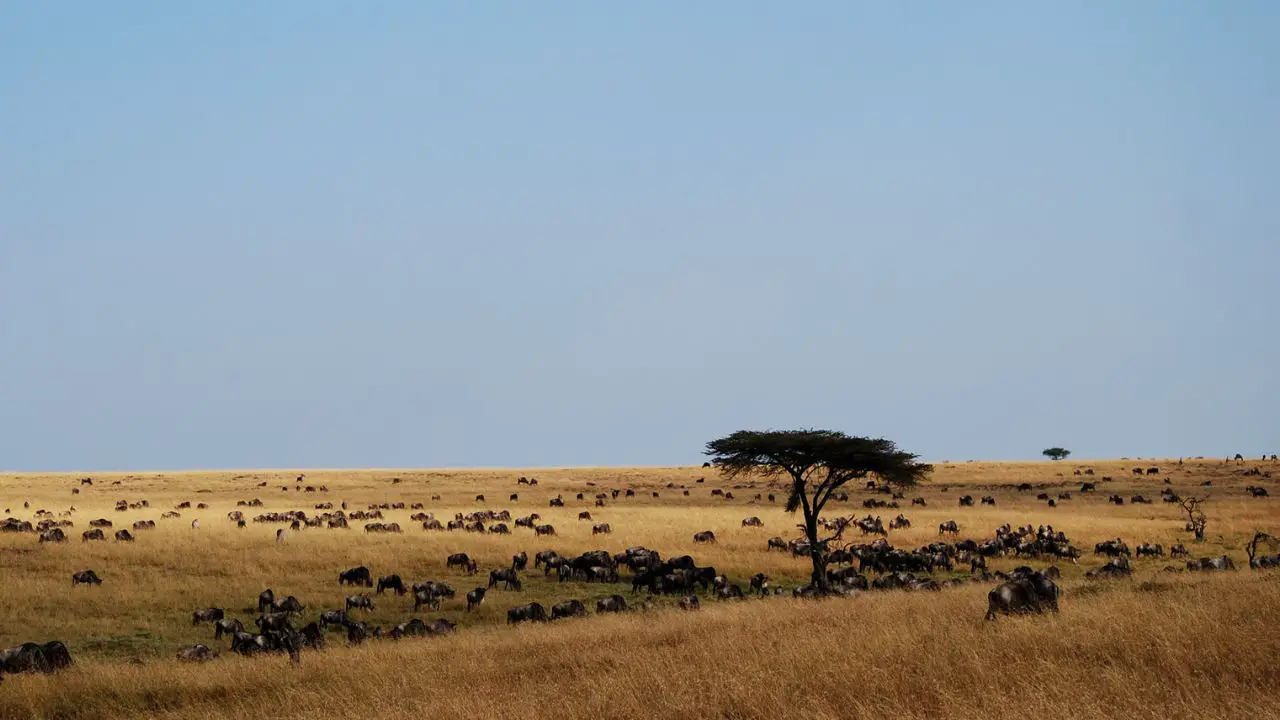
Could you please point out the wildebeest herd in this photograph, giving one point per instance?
(644, 576)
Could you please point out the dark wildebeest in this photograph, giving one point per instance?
(777, 543)
(290, 605)
(94, 534)
(584, 515)
(123, 535)
(1116, 500)
(207, 615)
(760, 583)
(520, 561)
(966, 500)
(1088, 487)
(568, 608)
(988, 500)
(1223, 562)
(689, 602)
(601, 529)
(52, 535)
(226, 626)
(730, 592)
(949, 526)
(1028, 591)
(87, 577)
(503, 576)
(613, 603)
(1116, 567)
(752, 521)
(475, 597)
(706, 536)
(1149, 550)
(34, 657)
(544, 530)
(266, 600)
(363, 602)
(461, 560)
(356, 576)
(393, 582)
(334, 617)
(278, 622)
(196, 653)
(525, 613)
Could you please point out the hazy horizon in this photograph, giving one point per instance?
(502, 235)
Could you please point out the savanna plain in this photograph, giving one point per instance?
(1165, 643)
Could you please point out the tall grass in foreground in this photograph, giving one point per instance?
(1187, 647)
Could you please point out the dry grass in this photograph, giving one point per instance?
(1160, 646)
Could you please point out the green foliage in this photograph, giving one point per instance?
(1055, 453)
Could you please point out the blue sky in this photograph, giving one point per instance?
(316, 234)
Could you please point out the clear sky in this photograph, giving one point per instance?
(394, 234)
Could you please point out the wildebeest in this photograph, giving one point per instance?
(966, 500)
(950, 526)
(207, 615)
(752, 521)
(520, 561)
(706, 536)
(362, 602)
(567, 609)
(584, 515)
(94, 534)
(601, 529)
(266, 600)
(530, 612)
(196, 653)
(777, 543)
(1223, 562)
(87, 577)
(1027, 591)
(689, 602)
(544, 530)
(730, 592)
(760, 583)
(35, 657)
(1116, 567)
(290, 605)
(279, 622)
(123, 535)
(475, 597)
(507, 576)
(613, 603)
(1256, 491)
(226, 626)
(392, 582)
(988, 500)
(1116, 500)
(356, 576)
(335, 617)
(52, 535)
(1149, 550)
(463, 561)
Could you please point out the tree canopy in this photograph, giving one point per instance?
(817, 463)
(1055, 453)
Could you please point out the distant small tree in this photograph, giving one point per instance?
(817, 463)
(1196, 519)
(1055, 453)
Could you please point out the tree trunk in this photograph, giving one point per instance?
(816, 554)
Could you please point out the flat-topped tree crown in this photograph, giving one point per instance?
(817, 462)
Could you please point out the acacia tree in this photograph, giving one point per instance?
(1055, 453)
(1196, 519)
(817, 463)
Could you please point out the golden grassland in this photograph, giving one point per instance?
(1161, 645)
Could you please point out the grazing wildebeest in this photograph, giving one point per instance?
(1088, 487)
(584, 515)
(226, 626)
(463, 561)
(544, 530)
(290, 605)
(393, 582)
(752, 521)
(278, 622)
(777, 543)
(988, 500)
(34, 657)
(520, 561)
(601, 529)
(689, 602)
(1178, 551)
(706, 536)
(966, 500)
(1149, 550)
(335, 617)
(52, 535)
(568, 608)
(94, 534)
(613, 603)
(525, 613)
(475, 597)
(362, 602)
(1223, 562)
(507, 576)
(1256, 491)
(760, 583)
(356, 576)
(1116, 500)
(123, 535)
(196, 653)
(949, 526)
(1116, 567)
(1139, 500)
(207, 615)
(1027, 591)
(266, 600)
(730, 592)
(87, 577)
